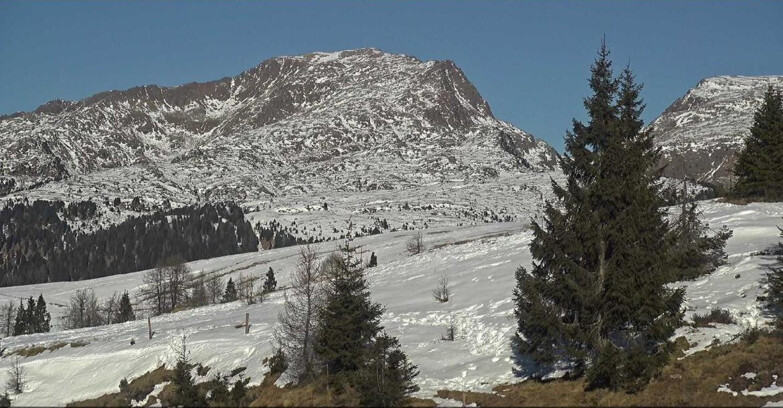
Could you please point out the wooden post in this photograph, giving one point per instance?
(247, 323)
(149, 325)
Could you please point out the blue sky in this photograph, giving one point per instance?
(528, 59)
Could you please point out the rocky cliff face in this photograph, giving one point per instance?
(347, 121)
(701, 132)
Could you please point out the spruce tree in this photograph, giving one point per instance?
(386, 378)
(185, 393)
(41, 318)
(597, 292)
(758, 170)
(695, 251)
(270, 284)
(774, 295)
(230, 293)
(349, 320)
(125, 310)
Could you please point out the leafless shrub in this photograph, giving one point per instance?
(451, 332)
(415, 244)
(16, 377)
(441, 293)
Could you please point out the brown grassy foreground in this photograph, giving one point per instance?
(690, 381)
(314, 394)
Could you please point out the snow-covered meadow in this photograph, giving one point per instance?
(479, 261)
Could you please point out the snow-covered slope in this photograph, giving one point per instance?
(480, 262)
(701, 132)
(357, 121)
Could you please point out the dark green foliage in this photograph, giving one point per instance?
(774, 295)
(37, 244)
(5, 400)
(758, 167)
(278, 362)
(219, 395)
(695, 250)
(239, 392)
(596, 297)
(386, 378)
(230, 293)
(349, 320)
(373, 261)
(32, 319)
(270, 284)
(125, 387)
(185, 393)
(125, 310)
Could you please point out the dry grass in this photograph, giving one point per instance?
(36, 350)
(691, 381)
(313, 394)
(708, 319)
(139, 388)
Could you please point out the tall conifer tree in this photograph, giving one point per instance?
(349, 320)
(596, 295)
(758, 169)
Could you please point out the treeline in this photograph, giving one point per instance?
(37, 244)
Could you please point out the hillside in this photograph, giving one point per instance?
(479, 261)
(701, 132)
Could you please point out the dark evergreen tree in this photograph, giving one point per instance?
(238, 392)
(349, 320)
(695, 251)
(597, 292)
(41, 318)
(185, 393)
(373, 261)
(125, 310)
(758, 170)
(270, 284)
(774, 295)
(230, 294)
(386, 378)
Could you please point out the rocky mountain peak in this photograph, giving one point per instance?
(701, 132)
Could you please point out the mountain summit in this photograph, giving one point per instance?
(343, 121)
(701, 133)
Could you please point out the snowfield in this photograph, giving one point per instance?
(479, 261)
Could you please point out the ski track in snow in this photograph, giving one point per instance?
(479, 261)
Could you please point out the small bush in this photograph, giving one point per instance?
(721, 316)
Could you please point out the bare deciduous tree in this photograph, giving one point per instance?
(441, 293)
(7, 319)
(177, 279)
(215, 287)
(415, 244)
(16, 377)
(83, 310)
(245, 288)
(166, 286)
(296, 333)
(109, 307)
(154, 291)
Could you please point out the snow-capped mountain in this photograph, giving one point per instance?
(701, 132)
(359, 120)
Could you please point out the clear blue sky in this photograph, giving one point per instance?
(528, 59)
